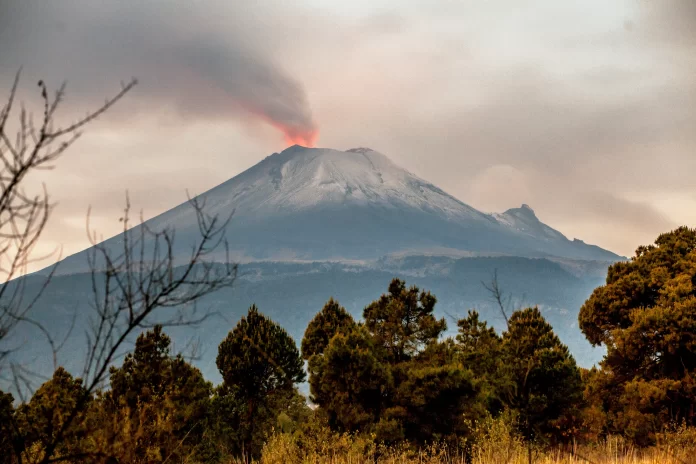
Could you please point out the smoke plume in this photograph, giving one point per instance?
(198, 61)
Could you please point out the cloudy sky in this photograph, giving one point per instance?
(584, 109)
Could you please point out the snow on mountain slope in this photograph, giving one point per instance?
(324, 204)
(304, 178)
(524, 221)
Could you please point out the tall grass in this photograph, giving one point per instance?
(494, 444)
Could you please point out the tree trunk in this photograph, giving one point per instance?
(251, 405)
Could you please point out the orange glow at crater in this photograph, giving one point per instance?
(304, 138)
(293, 134)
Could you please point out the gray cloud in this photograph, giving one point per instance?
(182, 57)
(671, 21)
(597, 206)
(561, 203)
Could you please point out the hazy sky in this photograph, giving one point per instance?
(584, 109)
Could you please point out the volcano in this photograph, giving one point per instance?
(311, 223)
(318, 204)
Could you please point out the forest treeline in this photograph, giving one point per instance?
(391, 377)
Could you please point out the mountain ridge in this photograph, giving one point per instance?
(324, 204)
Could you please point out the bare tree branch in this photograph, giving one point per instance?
(498, 296)
(137, 281)
(23, 217)
(28, 146)
(128, 291)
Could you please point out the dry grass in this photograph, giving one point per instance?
(495, 444)
(282, 451)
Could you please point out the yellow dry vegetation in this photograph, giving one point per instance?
(495, 444)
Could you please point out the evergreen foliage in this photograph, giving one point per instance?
(480, 348)
(645, 315)
(402, 322)
(391, 379)
(332, 319)
(41, 420)
(548, 388)
(349, 382)
(163, 399)
(258, 357)
(9, 446)
(260, 364)
(433, 398)
(391, 376)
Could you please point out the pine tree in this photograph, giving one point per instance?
(163, 398)
(645, 315)
(480, 349)
(11, 443)
(548, 389)
(349, 382)
(333, 318)
(390, 376)
(402, 322)
(435, 395)
(260, 364)
(144, 374)
(42, 419)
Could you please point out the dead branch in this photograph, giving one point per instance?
(33, 146)
(498, 296)
(141, 279)
(133, 283)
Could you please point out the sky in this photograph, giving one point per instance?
(583, 109)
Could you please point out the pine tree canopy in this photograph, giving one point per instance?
(258, 357)
(645, 315)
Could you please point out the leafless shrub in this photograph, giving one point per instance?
(136, 284)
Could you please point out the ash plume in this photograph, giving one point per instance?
(200, 61)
